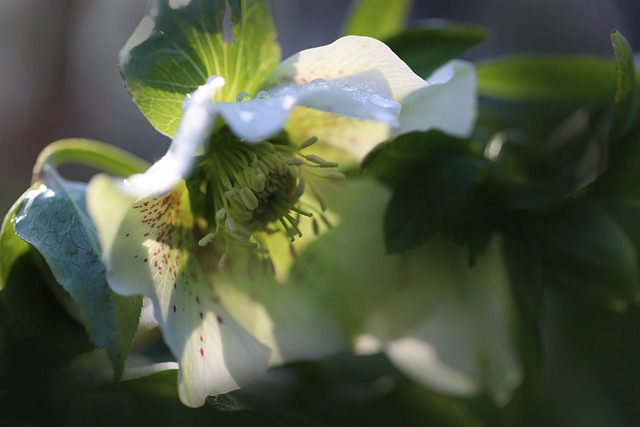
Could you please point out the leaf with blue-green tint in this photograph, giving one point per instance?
(431, 43)
(53, 219)
(377, 18)
(179, 44)
(547, 78)
(627, 97)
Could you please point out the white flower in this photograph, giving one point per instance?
(223, 328)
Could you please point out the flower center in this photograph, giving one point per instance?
(252, 188)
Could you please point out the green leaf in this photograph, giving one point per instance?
(377, 18)
(622, 177)
(13, 247)
(586, 252)
(53, 218)
(547, 78)
(434, 196)
(37, 338)
(392, 160)
(536, 171)
(430, 44)
(627, 98)
(177, 47)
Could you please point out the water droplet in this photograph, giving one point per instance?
(318, 83)
(263, 94)
(243, 96)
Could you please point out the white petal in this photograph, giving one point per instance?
(281, 316)
(464, 341)
(337, 134)
(257, 119)
(149, 249)
(348, 56)
(439, 353)
(194, 129)
(346, 268)
(448, 103)
(363, 96)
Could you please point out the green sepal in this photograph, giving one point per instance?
(176, 48)
(431, 43)
(52, 218)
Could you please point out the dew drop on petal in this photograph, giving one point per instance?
(318, 83)
(243, 96)
(263, 94)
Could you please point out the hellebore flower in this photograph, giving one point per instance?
(224, 204)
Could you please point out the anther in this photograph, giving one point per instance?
(223, 260)
(207, 239)
(294, 161)
(309, 142)
(320, 161)
(230, 224)
(248, 198)
(336, 176)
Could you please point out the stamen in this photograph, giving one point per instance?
(336, 176)
(207, 239)
(309, 142)
(257, 189)
(249, 199)
(320, 161)
(223, 260)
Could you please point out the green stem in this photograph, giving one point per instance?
(91, 153)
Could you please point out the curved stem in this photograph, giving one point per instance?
(91, 153)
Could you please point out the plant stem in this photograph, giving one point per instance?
(91, 153)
